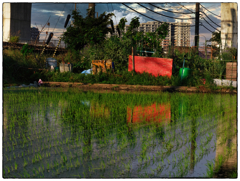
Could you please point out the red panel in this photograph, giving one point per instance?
(154, 112)
(153, 65)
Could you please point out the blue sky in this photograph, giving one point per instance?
(59, 11)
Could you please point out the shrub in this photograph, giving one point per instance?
(14, 39)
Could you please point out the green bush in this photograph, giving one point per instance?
(14, 39)
(25, 50)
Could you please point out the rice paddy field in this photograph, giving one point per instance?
(56, 133)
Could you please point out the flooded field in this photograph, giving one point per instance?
(71, 134)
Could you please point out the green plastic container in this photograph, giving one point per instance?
(56, 69)
(184, 73)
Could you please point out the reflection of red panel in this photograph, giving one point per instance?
(154, 112)
(153, 65)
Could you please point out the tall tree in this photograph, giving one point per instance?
(87, 30)
(216, 36)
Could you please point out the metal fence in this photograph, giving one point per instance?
(204, 52)
(52, 43)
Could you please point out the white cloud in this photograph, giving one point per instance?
(128, 16)
(136, 7)
(57, 13)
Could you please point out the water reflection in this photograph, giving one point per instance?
(154, 113)
(226, 146)
(193, 144)
(106, 132)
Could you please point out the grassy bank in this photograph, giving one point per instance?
(16, 71)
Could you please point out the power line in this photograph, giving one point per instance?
(59, 18)
(168, 10)
(186, 8)
(71, 9)
(210, 19)
(114, 16)
(210, 24)
(210, 11)
(207, 28)
(165, 15)
(153, 18)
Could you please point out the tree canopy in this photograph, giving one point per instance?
(87, 30)
(216, 36)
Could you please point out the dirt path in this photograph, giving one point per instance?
(124, 87)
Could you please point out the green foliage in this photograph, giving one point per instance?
(216, 36)
(14, 39)
(229, 54)
(233, 51)
(87, 30)
(121, 24)
(113, 48)
(118, 51)
(15, 67)
(226, 56)
(133, 25)
(215, 51)
(25, 50)
(162, 31)
(129, 78)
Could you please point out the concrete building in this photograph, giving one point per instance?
(17, 21)
(177, 36)
(181, 34)
(34, 34)
(229, 25)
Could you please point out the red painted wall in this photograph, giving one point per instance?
(153, 65)
(158, 113)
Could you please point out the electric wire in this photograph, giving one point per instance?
(210, 19)
(165, 15)
(186, 8)
(210, 24)
(168, 10)
(59, 17)
(155, 19)
(206, 28)
(71, 9)
(114, 16)
(210, 11)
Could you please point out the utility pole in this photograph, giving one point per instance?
(92, 6)
(75, 7)
(197, 26)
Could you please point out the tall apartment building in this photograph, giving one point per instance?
(34, 33)
(177, 36)
(181, 34)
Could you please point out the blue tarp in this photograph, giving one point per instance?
(89, 71)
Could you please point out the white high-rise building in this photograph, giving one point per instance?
(177, 36)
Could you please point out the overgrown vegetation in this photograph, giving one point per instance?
(14, 39)
(83, 48)
(14, 60)
(86, 31)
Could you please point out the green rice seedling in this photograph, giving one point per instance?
(15, 166)
(25, 163)
(210, 170)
